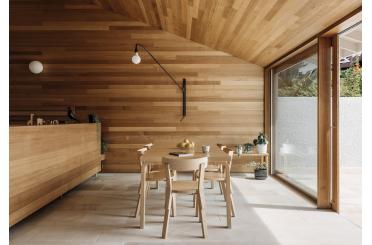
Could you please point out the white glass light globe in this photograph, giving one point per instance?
(35, 67)
(136, 59)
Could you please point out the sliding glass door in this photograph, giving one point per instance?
(294, 121)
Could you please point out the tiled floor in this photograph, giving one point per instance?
(100, 212)
(351, 194)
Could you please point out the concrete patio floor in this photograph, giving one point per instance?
(351, 194)
(100, 212)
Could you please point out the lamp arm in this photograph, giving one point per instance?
(174, 80)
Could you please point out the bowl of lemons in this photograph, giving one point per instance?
(186, 144)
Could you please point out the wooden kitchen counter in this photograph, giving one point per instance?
(46, 161)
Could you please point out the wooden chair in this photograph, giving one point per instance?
(147, 175)
(224, 178)
(153, 168)
(215, 166)
(185, 186)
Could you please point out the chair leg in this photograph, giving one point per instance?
(147, 189)
(200, 210)
(174, 205)
(228, 205)
(194, 195)
(232, 206)
(220, 184)
(142, 206)
(168, 200)
(232, 201)
(223, 185)
(138, 202)
(212, 184)
(202, 213)
(196, 200)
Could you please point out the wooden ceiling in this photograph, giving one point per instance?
(255, 30)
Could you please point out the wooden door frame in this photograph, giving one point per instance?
(335, 182)
(324, 122)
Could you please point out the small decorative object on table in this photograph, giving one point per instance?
(181, 154)
(239, 150)
(248, 147)
(206, 148)
(54, 122)
(71, 113)
(260, 170)
(261, 143)
(31, 121)
(40, 121)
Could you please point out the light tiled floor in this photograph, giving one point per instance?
(351, 194)
(100, 212)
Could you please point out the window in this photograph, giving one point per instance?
(294, 104)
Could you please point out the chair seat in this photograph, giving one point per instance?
(156, 166)
(184, 186)
(156, 176)
(212, 168)
(212, 176)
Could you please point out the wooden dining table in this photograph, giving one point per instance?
(155, 155)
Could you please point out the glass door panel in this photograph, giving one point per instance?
(295, 105)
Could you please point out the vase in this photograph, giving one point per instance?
(262, 148)
(260, 174)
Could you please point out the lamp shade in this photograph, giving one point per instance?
(136, 59)
(35, 67)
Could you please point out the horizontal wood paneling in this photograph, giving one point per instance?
(87, 53)
(46, 161)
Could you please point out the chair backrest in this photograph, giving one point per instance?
(140, 153)
(230, 154)
(185, 164)
(149, 145)
(221, 146)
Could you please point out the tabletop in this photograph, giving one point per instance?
(155, 154)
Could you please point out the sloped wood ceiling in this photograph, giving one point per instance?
(258, 31)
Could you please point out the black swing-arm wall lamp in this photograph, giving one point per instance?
(136, 59)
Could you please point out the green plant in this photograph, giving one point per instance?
(93, 118)
(261, 139)
(351, 81)
(104, 146)
(258, 165)
(293, 83)
(247, 147)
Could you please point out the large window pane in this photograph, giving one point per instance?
(350, 125)
(295, 123)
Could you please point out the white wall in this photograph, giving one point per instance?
(351, 131)
(296, 124)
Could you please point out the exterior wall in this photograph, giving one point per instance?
(297, 122)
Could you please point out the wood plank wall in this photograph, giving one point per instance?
(86, 53)
(46, 161)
